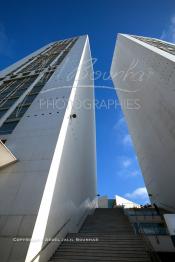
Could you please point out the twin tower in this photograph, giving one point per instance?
(47, 137)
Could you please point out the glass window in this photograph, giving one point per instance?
(19, 112)
(2, 112)
(7, 127)
(151, 228)
(9, 102)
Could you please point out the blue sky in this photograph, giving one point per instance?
(27, 25)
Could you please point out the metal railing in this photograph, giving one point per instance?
(140, 227)
(140, 232)
(50, 241)
(152, 253)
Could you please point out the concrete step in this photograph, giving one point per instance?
(95, 239)
(100, 258)
(95, 260)
(98, 238)
(100, 243)
(102, 234)
(102, 255)
(108, 248)
(105, 236)
(108, 230)
(104, 246)
(104, 252)
(84, 239)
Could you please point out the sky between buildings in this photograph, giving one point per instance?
(28, 25)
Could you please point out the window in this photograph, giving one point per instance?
(151, 228)
(14, 88)
(7, 127)
(2, 112)
(12, 91)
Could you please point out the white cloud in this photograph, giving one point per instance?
(134, 173)
(168, 34)
(119, 123)
(139, 194)
(122, 131)
(127, 140)
(127, 172)
(126, 162)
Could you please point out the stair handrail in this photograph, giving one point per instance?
(50, 241)
(153, 255)
(81, 218)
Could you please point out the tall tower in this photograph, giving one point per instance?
(47, 149)
(143, 72)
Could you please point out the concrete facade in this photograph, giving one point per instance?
(53, 184)
(144, 77)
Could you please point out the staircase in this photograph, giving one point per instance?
(105, 236)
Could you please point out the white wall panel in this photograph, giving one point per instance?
(33, 142)
(152, 123)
